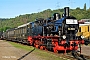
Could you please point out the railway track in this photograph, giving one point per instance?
(67, 56)
(64, 56)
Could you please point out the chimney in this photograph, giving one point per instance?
(66, 11)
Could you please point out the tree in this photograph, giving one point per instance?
(78, 8)
(85, 7)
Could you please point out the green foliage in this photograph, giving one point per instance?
(85, 6)
(22, 19)
(4, 28)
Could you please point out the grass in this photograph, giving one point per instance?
(28, 48)
(47, 55)
(40, 53)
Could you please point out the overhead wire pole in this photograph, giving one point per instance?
(71, 3)
(57, 5)
(38, 11)
(89, 4)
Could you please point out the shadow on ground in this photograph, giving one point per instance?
(26, 54)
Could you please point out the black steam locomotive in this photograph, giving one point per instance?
(54, 33)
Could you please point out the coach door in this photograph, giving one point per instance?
(89, 32)
(89, 29)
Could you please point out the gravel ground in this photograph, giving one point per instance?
(86, 50)
(8, 52)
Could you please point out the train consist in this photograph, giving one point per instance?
(1, 34)
(54, 33)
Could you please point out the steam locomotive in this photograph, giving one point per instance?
(54, 33)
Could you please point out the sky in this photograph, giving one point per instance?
(13, 8)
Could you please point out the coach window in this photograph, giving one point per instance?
(79, 29)
(17, 31)
(25, 29)
(21, 30)
(30, 26)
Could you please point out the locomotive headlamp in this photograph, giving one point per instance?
(82, 37)
(64, 37)
(71, 28)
